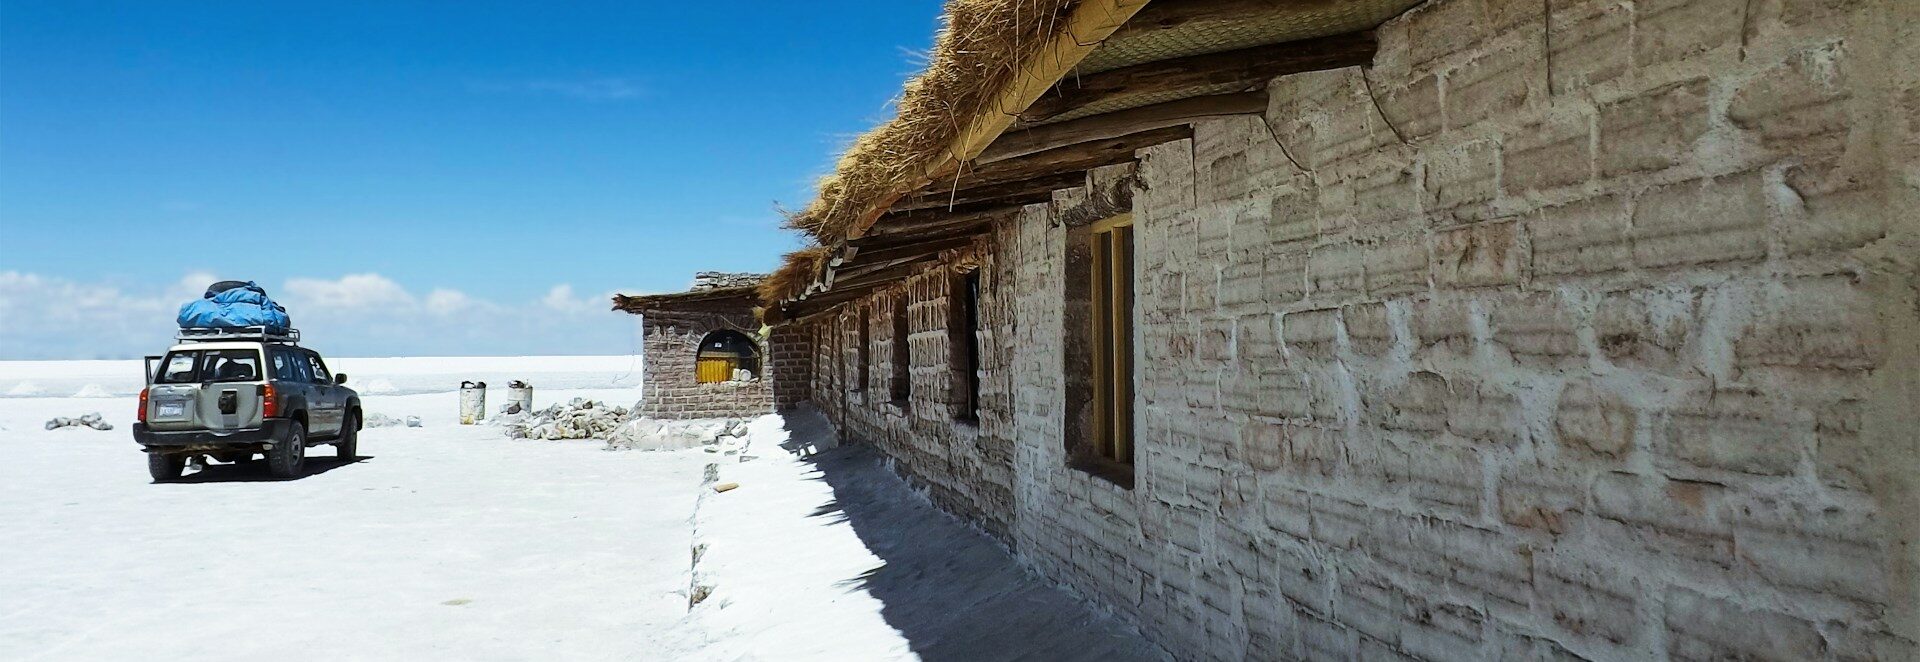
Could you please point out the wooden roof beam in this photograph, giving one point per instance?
(1030, 140)
(1247, 68)
(1021, 192)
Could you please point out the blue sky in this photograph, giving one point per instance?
(498, 151)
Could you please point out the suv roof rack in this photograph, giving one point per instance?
(260, 333)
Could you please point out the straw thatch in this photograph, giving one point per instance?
(796, 272)
(978, 51)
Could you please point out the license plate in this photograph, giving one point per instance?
(173, 409)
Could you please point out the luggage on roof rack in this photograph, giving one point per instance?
(215, 334)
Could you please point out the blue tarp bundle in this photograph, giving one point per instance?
(232, 304)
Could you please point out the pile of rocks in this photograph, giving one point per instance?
(92, 420)
(649, 434)
(379, 420)
(579, 419)
(713, 280)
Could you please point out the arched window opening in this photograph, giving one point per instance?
(726, 356)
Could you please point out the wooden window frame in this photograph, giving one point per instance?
(1112, 268)
(901, 386)
(963, 306)
(864, 352)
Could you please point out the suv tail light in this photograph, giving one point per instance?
(143, 406)
(269, 404)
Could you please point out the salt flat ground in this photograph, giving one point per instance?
(449, 542)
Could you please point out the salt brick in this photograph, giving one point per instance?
(1630, 334)
(1384, 192)
(1671, 30)
(1485, 413)
(1369, 331)
(1438, 29)
(1417, 404)
(1464, 175)
(1826, 551)
(1480, 255)
(1731, 429)
(1799, 107)
(1593, 421)
(1293, 217)
(1443, 323)
(1584, 236)
(1668, 518)
(1701, 222)
(1588, 43)
(1548, 154)
(1413, 109)
(1396, 265)
(1311, 334)
(1495, 84)
(1653, 130)
(1285, 276)
(1700, 627)
(1536, 328)
(1588, 600)
(1819, 323)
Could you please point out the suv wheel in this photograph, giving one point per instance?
(348, 446)
(288, 457)
(165, 467)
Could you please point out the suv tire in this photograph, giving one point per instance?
(164, 467)
(348, 446)
(288, 457)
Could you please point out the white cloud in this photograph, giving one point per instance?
(561, 299)
(354, 315)
(356, 291)
(448, 302)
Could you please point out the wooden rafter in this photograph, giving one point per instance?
(1247, 69)
(1089, 23)
(1025, 191)
(1031, 140)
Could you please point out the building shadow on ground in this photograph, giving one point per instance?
(256, 471)
(952, 591)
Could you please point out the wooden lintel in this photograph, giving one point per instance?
(1247, 69)
(1030, 140)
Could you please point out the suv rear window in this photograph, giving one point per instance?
(213, 365)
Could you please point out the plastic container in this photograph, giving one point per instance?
(473, 402)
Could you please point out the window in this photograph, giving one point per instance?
(320, 374)
(902, 384)
(964, 334)
(283, 370)
(726, 356)
(1112, 326)
(302, 368)
(182, 368)
(865, 351)
(217, 365)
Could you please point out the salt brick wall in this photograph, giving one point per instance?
(1582, 334)
(671, 346)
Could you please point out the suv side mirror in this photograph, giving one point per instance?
(339, 378)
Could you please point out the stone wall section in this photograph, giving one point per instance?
(1569, 330)
(790, 362)
(670, 348)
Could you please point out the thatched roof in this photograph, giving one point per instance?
(1057, 71)
(642, 303)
